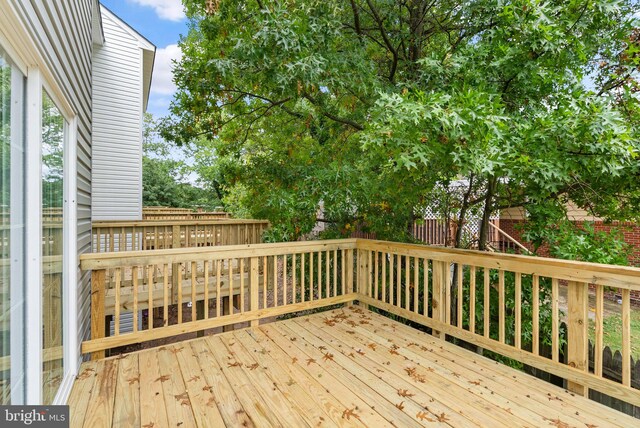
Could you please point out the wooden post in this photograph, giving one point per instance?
(438, 299)
(253, 288)
(175, 267)
(362, 280)
(577, 331)
(348, 261)
(97, 309)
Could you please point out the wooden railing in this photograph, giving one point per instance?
(499, 302)
(166, 213)
(109, 236)
(503, 303)
(254, 275)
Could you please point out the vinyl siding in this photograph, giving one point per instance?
(574, 213)
(117, 124)
(62, 31)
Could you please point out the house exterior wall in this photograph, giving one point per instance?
(574, 213)
(630, 232)
(117, 124)
(62, 32)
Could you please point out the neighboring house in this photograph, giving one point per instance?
(512, 219)
(122, 68)
(58, 133)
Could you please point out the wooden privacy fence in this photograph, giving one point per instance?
(109, 236)
(432, 231)
(504, 303)
(133, 281)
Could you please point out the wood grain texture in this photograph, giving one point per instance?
(339, 368)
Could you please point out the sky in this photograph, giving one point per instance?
(161, 22)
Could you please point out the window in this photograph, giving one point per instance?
(53, 129)
(12, 365)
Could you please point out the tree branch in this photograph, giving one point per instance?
(385, 38)
(332, 116)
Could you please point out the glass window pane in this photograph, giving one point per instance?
(11, 233)
(52, 246)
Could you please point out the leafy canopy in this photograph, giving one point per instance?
(165, 180)
(369, 105)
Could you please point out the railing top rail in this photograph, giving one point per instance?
(594, 273)
(139, 258)
(142, 223)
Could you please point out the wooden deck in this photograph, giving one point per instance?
(346, 367)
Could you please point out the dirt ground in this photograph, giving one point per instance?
(186, 317)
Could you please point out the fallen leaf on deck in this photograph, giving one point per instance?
(424, 416)
(85, 374)
(350, 412)
(329, 322)
(442, 417)
(404, 393)
(183, 399)
(400, 405)
(557, 423)
(410, 370)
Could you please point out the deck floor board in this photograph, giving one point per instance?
(344, 367)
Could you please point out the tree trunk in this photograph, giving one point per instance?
(463, 213)
(486, 214)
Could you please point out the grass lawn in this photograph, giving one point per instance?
(613, 332)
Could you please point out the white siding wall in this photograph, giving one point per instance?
(117, 125)
(62, 32)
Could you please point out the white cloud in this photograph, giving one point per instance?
(165, 9)
(162, 83)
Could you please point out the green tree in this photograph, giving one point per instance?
(165, 175)
(369, 105)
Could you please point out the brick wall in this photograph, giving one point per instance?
(631, 233)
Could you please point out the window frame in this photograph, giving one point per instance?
(23, 51)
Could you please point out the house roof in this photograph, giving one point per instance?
(148, 52)
(97, 31)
